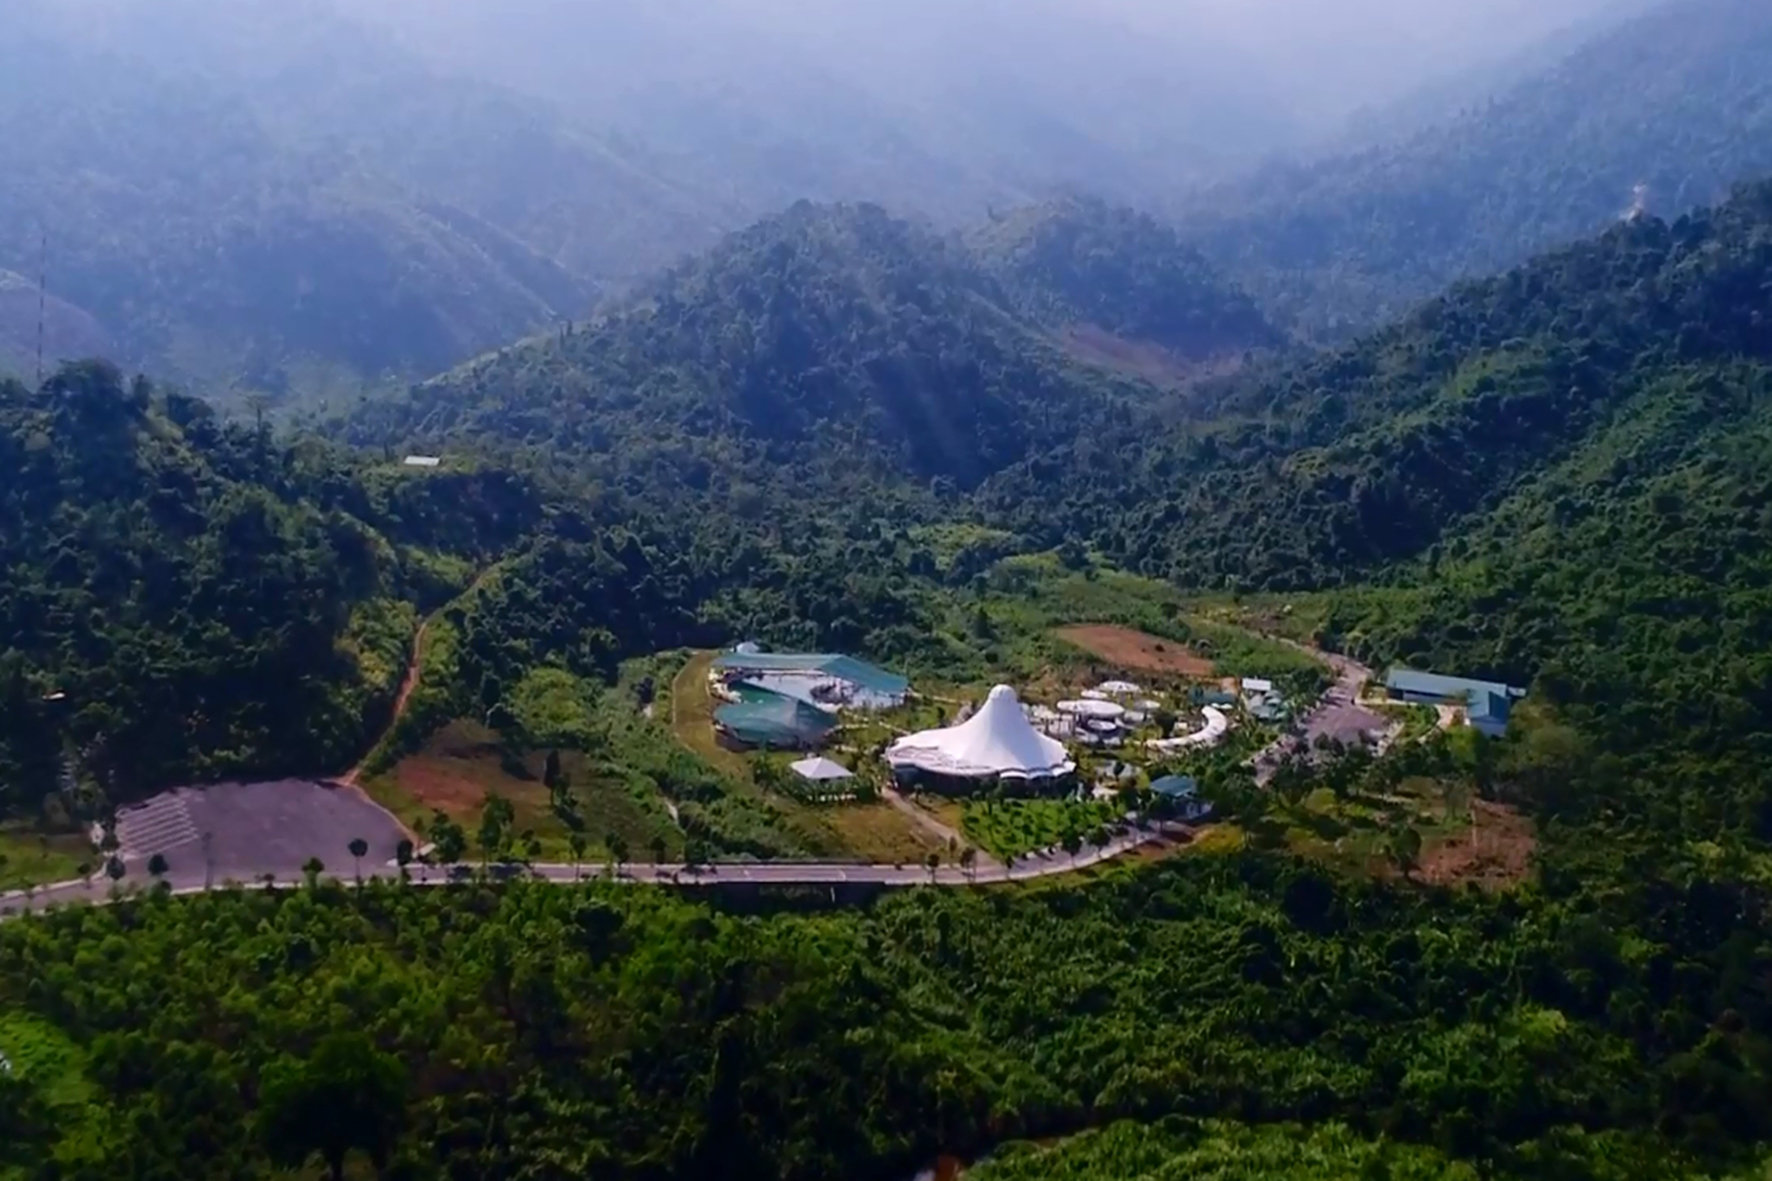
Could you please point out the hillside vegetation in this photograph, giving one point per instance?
(1667, 112)
(630, 1033)
(1554, 478)
(837, 348)
(206, 602)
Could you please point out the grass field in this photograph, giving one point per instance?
(32, 858)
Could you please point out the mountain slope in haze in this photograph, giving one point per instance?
(839, 343)
(265, 197)
(1084, 267)
(928, 107)
(1667, 111)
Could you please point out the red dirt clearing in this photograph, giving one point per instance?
(1495, 853)
(1129, 649)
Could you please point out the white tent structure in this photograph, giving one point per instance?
(996, 742)
(821, 770)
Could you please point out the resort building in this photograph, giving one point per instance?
(1486, 704)
(761, 719)
(826, 681)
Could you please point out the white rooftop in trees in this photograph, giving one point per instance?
(422, 461)
(821, 770)
(1119, 688)
(1092, 708)
(998, 740)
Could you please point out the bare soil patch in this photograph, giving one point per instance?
(1094, 345)
(1128, 649)
(1495, 852)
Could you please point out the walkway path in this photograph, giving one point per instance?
(926, 820)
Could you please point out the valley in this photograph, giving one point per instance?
(759, 590)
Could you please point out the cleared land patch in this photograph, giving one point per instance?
(463, 765)
(1129, 649)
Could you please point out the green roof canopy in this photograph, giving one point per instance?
(771, 719)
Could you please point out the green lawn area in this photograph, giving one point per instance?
(1006, 828)
(32, 858)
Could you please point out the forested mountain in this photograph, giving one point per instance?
(1081, 266)
(1558, 473)
(1665, 112)
(834, 348)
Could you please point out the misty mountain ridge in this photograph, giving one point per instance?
(843, 341)
(1669, 110)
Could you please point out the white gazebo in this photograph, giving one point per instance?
(821, 770)
(997, 742)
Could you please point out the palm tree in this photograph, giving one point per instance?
(618, 850)
(934, 863)
(576, 842)
(158, 867)
(969, 863)
(658, 849)
(403, 855)
(359, 850)
(312, 870)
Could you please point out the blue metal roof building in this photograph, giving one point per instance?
(1487, 704)
(869, 678)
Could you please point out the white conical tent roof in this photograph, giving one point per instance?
(997, 740)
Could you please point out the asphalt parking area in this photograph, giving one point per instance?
(242, 831)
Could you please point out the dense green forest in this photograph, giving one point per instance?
(184, 597)
(1084, 264)
(543, 1031)
(1667, 112)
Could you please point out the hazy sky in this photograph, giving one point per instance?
(1345, 52)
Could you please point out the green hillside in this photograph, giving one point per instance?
(1555, 478)
(1082, 265)
(825, 351)
(208, 603)
(1677, 102)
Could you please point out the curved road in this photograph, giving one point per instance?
(1048, 863)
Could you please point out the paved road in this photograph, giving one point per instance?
(1338, 715)
(1048, 863)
